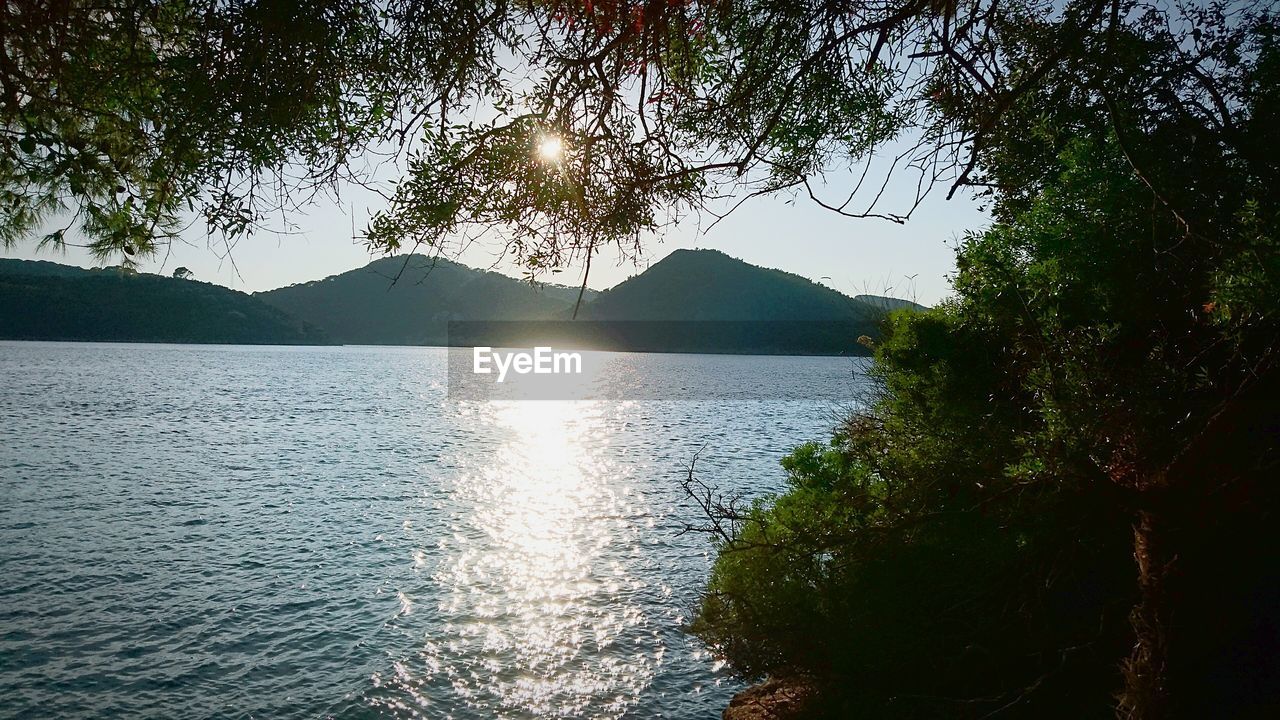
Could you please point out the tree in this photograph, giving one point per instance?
(122, 117)
(183, 273)
(131, 114)
(1097, 376)
(965, 546)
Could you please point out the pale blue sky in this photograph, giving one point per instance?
(858, 255)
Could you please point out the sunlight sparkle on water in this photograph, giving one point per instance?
(530, 596)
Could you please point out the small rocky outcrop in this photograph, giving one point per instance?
(789, 698)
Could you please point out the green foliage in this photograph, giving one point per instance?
(122, 118)
(933, 560)
(962, 548)
(126, 119)
(906, 601)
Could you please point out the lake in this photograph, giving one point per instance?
(269, 532)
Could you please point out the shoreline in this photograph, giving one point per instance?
(789, 698)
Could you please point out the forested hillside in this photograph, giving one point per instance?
(48, 301)
(691, 301)
(409, 301)
(710, 285)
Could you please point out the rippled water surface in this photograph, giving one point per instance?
(195, 532)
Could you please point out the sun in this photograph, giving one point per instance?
(550, 149)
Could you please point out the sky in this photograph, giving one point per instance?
(853, 256)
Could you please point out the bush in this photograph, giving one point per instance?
(909, 578)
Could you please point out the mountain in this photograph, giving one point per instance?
(409, 300)
(710, 285)
(704, 301)
(690, 301)
(42, 268)
(41, 300)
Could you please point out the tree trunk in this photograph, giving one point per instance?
(1185, 512)
(1146, 691)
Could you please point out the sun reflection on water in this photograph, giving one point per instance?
(537, 617)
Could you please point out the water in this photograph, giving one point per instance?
(200, 532)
